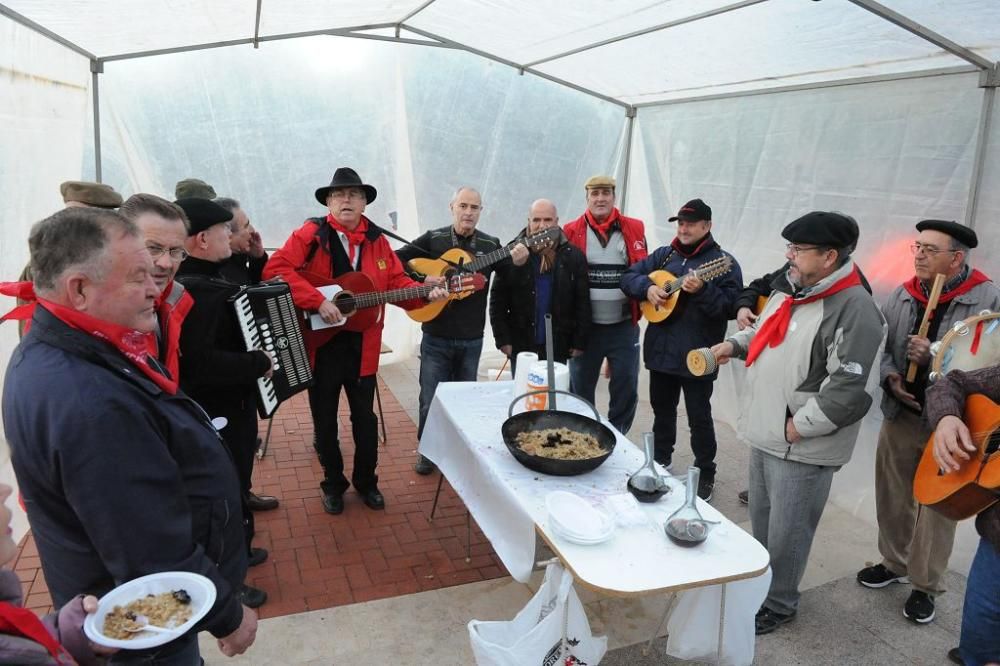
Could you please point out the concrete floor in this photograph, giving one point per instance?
(839, 622)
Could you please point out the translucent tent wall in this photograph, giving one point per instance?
(764, 108)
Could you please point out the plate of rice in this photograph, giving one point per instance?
(174, 600)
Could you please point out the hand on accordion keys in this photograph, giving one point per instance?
(270, 370)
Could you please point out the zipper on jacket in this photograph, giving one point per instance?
(788, 450)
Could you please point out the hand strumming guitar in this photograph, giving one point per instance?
(951, 442)
(329, 312)
(656, 295)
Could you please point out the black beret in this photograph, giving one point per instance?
(959, 232)
(203, 214)
(823, 228)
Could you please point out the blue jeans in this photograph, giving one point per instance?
(619, 343)
(445, 360)
(980, 638)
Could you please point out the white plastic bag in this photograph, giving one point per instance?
(694, 624)
(534, 636)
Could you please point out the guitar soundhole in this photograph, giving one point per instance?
(344, 301)
(993, 443)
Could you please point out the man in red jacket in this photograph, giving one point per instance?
(344, 241)
(611, 243)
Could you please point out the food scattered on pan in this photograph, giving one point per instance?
(559, 444)
(166, 610)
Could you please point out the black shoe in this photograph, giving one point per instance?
(767, 620)
(256, 556)
(424, 466)
(877, 577)
(261, 502)
(253, 597)
(333, 504)
(955, 656)
(373, 499)
(705, 488)
(919, 607)
(744, 497)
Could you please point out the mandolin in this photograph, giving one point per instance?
(672, 285)
(355, 296)
(456, 260)
(974, 487)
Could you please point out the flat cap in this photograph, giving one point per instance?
(203, 214)
(695, 210)
(193, 188)
(959, 232)
(95, 195)
(599, 181)
(823, 228)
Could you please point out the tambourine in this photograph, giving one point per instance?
(970, 344)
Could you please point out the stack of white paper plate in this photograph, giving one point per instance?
(577, 520)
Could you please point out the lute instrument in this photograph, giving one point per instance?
(671, 284)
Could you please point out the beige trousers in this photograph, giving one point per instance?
(914, 540)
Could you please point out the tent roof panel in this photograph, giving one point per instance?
(974, 24)
(279, 18)
(773, 44)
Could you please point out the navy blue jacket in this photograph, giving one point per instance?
(698, 320)
(119, 478)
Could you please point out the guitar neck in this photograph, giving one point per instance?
(375, 298)
(675, 284)
(479, 263)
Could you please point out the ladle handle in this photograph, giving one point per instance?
(510, 411)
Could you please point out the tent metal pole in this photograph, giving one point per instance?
(412, 14)
(989, 83)
(45, 32)
(924, 33)
(256, 26)
(96, 68)
(878, 78)
(629, 123)
(520, 68)
(646, 31)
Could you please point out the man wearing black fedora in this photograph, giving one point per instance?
(341, 242)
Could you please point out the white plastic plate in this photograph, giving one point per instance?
(576, 519)
(201, 589)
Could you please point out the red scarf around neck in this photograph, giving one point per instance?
(23, 622)
(679, 247)
(355, 237)
(133, 344)
(914, 288)
(772, 332)
(601, 228)
(24, 291)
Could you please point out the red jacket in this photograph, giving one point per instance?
(378, 261)
(171, 309)
(635, 242)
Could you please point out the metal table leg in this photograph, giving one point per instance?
(381, 417)
(262, 449)
(722, 625)
(666, 613)
(437, 494)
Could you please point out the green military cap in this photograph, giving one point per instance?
(95, 195)
(193, 188)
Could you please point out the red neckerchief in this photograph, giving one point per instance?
(24, 291)
(679, 247)
(914, 288)
(772, 332)
(354, 238)
(133, 344)
(601, 228)
(23, 622)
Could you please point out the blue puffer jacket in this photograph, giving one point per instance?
(698, 320)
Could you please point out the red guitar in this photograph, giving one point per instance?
(361, 305)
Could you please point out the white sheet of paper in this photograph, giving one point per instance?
(316, 322)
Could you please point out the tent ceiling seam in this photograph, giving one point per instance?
(646, 31)
(923, 32)
(45, 32)
(414, 13)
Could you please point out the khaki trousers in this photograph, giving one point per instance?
(913, 540)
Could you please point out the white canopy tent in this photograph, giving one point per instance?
(764, 108)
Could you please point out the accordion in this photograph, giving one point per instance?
(268, 320)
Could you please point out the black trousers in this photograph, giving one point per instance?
(664, 394)
(338, 364)
(240, 438)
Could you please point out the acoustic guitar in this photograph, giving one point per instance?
(974, 487)
(361, 304)
(457, 260)
(672, 285)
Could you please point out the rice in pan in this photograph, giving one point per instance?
(560, 444)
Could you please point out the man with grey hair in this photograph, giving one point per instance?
(130, 479)
(164, 226)
(453, 341)
(915, 543)
(246, 264)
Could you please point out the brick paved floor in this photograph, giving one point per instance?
(317, 560)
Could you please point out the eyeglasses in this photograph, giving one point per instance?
(347, 194)
(796, 249)
(176, 253)
(929, 250)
